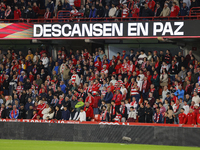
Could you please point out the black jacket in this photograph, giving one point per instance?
(31, 14)
(101, 11)
(8, 110)
(6, 84)
(159, 10)
(141, 114)
(22, 114)
(3, 114)
(148, 115)
(147, 12)
(58, 115)
(30, 114)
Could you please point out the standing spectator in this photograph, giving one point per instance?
(123, 111)
(191, 118)
(151, 5)
(187, 2)
(65, 114)
(112, 11)
(158, 118)
(196, 98)
(50, 5)
(158, 10)
(47, 14)
(8, 13)
(89, 111)
(14, 113)
(36, 9)
(184, 10)
(177, 111)
(93, 12)
(3, 111)
(174, 10)
(125, 11)
(30, 13)
(180, 92)
(82, 115)
(100, 11)
(87, 11)
(2, 15)
(67, 6)
(58, 113)
(106, 11)
(135, 13)
(166, 11)
(148, 113)
(194, 4)
(104, 114)
(22, 112)
(141, 113)
(146, 11)
(74, 10)
(118, 117)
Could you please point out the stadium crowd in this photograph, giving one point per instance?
(139, 87)
(30, 9)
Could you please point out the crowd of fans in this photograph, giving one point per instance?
(16, 9)
(139, 87)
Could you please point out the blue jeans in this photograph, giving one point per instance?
(176, 120)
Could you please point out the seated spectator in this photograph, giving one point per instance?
(58, 113)
(112, 11)
(89, 111)
(184, 10)
(49, 115)
(132, 116)
(174, 10)
(118, 117)
(93, 12)
(166, 11)
(74, 10)
(14, 113)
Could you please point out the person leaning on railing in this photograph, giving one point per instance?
(166, 11)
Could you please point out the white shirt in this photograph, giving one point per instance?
(82, 116)
(123, 90)
(164, 95)
(45, 61)
(139, 84)
(128, 107)
(141, 58)
(196, 99)
(113, 82)
(46, 111)
(186, 107)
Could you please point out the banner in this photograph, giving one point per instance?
(119, 30)
(101, 30)
(96, 122)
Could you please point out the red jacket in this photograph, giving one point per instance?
(198, 119)
(182, 118)
(151, 5)
(90, 100)
(135, 12)
(17, 14)
(190, 118)
(89, 111)
(97, 64)
(174, 11)
(118, 99)
(40, 108)
(36, 9)
(77, 3)
(96, 100)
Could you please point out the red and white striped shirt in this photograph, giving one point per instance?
(119, 81)
(134, 91)
(197, 90)
(73, 78)
(103, 92)
(19, 89)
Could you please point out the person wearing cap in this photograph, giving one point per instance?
(166, 11)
